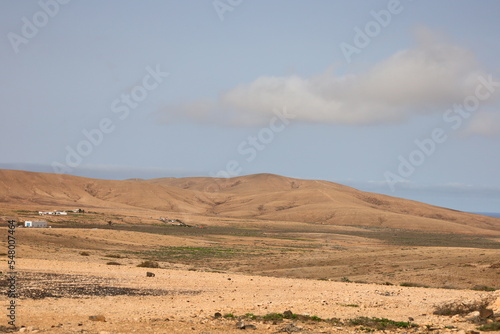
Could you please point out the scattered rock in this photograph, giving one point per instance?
(249, 327)
(472, 332)
(486, 313)
(290, 328)
(97, 318)
(240, 325)
(217, 315)
(288, 314)
(496, 305)
(150, 274)
(473, 316)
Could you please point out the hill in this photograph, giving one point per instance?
(261, 196)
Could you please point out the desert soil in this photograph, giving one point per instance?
(60, 289)
(248, 250)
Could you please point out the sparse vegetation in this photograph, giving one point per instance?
(251, 316)
(149, 264)
(114, 256)
(413, 285)
(483, 288)
(461, 308)
(285, 315)
(365, 323)
(113, 263)
(494, 326)
(191, 252)
(273, 316)
(379, 323)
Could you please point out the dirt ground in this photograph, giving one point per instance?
(210, 280)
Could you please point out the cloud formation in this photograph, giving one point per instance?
(428, 78)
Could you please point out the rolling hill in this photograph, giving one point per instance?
(261, 196)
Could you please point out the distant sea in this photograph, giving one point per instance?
(491, 214)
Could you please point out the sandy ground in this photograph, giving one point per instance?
(190, 299)
(240, 267)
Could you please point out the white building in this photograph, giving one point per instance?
(37, 224)
(55, 212)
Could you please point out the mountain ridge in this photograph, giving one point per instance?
(259, 196)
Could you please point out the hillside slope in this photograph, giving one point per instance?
(260, 196)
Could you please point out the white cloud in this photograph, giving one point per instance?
(427, 78)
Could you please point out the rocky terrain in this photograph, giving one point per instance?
(95, 299)
(179, 256)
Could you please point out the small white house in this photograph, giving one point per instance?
(36, 224)
(55, 212)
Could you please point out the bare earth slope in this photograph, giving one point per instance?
(253, 247)
(261, 196)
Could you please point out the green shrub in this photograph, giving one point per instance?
(273, 316)
(379, 323)
(494, 326)
(250, 316)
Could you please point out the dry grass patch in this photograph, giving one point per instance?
(461, 307)
(494, 326)
(149, 264)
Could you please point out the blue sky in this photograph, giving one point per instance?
(395, 97)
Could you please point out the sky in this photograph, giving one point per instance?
(394, 97)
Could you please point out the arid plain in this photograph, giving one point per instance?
(234, 254)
